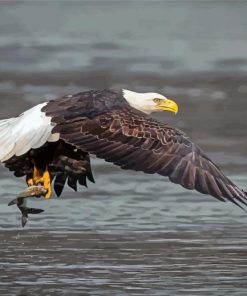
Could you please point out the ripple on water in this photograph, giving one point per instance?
(135, 241)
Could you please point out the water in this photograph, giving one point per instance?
(139, 237)
(150, 36)
(130, 233)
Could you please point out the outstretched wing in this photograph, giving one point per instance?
(131, 140)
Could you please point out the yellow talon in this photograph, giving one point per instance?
(43, 179)
(30, 182)
(37, 177)
(47, 183)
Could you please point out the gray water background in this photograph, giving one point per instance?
(130, 233)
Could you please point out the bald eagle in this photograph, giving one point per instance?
(53, 141)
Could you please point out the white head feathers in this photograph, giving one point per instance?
(142, 101)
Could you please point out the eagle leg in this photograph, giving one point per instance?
(41, 178)
(47, 183)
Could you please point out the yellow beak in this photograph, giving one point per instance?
(167, 105)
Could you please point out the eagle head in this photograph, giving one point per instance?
(149, 102)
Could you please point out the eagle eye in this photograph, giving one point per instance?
(156, 100)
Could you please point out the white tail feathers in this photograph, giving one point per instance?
(32, 129)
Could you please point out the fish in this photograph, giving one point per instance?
(20, 201)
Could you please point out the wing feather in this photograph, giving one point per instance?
(59, 183)
(131, 140)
